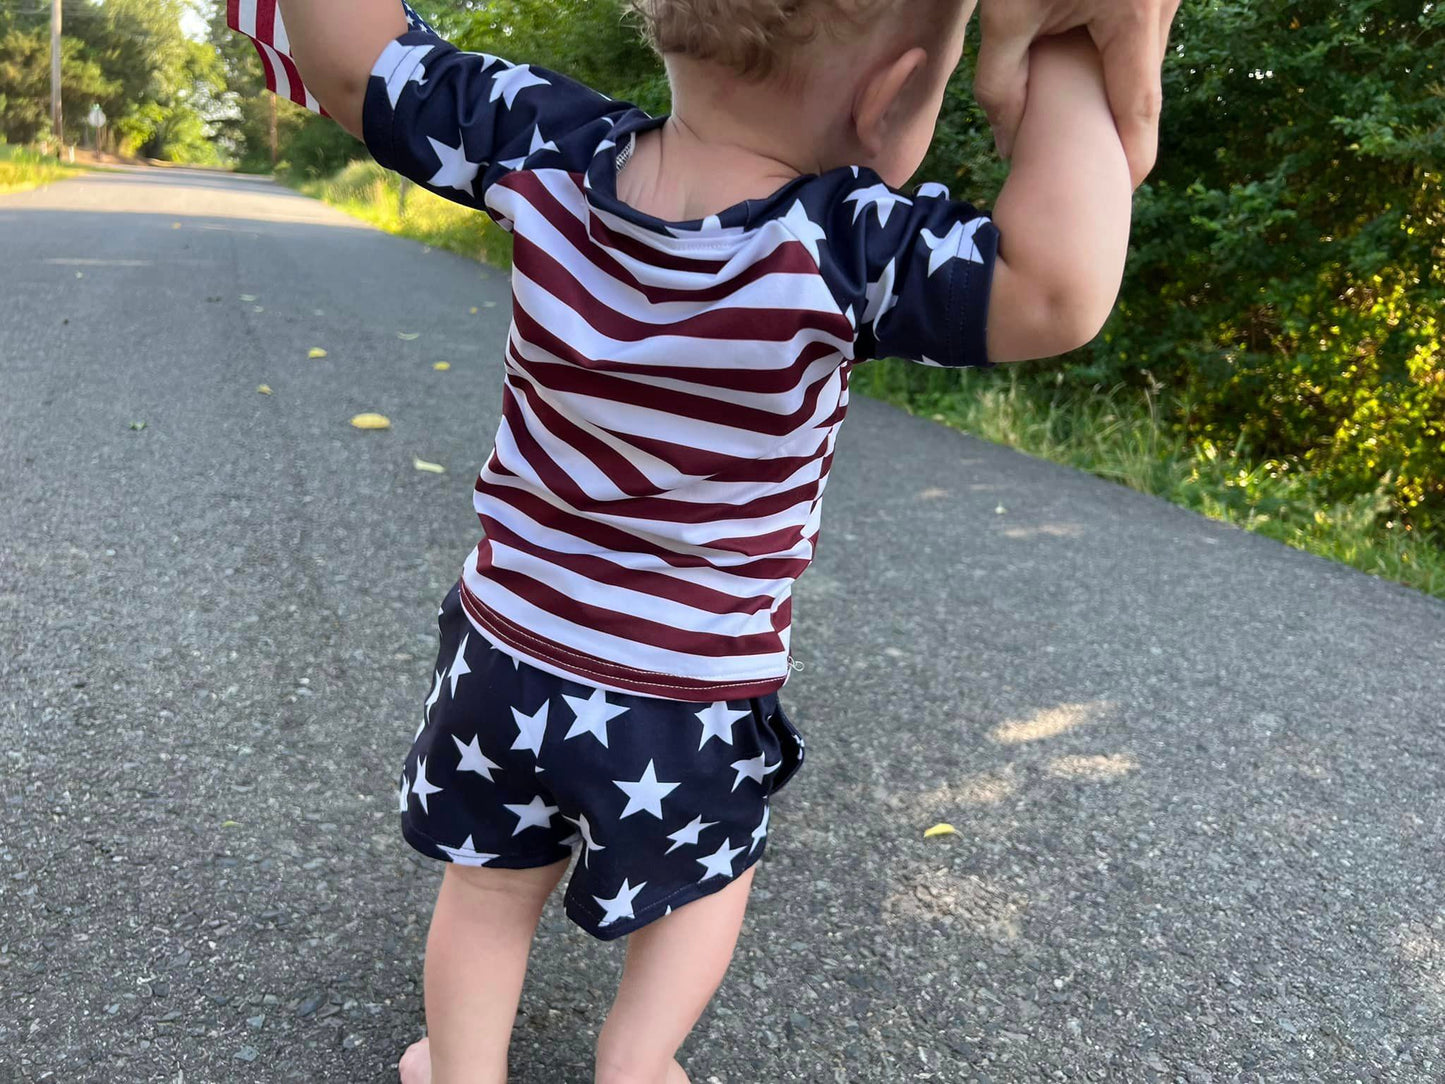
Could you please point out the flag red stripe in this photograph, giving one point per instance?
(266, 21)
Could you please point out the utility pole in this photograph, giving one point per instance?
(273, 128)
(57, 114)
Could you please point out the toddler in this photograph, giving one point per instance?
(690, 296)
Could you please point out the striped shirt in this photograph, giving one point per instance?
(673, 390)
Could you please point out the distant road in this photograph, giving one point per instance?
(1198, 778)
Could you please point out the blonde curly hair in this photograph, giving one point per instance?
(752, 37)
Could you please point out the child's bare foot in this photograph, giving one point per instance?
(415, 1064)
(677, 1075)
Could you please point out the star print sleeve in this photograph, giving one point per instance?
(457, 122)
(917, 270)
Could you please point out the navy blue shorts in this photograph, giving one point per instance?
(515, 767)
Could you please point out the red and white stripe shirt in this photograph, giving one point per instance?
(673, 391)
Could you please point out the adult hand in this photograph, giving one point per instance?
(1132, 36)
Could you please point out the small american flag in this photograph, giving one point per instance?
(260, 20)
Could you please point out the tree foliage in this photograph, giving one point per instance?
(130, 57)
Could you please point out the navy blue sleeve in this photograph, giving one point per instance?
(457, 122)
(915, 270)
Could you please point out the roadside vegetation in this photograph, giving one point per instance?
(378, 196)
(21, 168)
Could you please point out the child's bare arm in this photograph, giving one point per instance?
(335, 43)
(1063, 215)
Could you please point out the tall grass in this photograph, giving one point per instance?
(367, 191)
(1118, 434)
(21, 168)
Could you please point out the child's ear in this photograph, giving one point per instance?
(882, 98)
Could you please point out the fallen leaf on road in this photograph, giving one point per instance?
(442, 366)
(474, 310)
(430, 468)
(408, 336)
(230, 824)
(257, 308)
(80, 274)
(137, 426)
(1000, 510)
(175, 225)
(941, 830)
(490, 304)
(316, 352)
(248, 297)
(371, 421)
(264, 389)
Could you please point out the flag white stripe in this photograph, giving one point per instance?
(283, 81)
(247, 17)
(282, 42)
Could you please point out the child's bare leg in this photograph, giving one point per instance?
(476, 958)
(673, 968)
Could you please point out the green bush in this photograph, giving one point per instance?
(1287, 272)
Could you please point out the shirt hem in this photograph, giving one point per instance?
(591, 670)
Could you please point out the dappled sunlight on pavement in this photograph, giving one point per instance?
(1047, 723)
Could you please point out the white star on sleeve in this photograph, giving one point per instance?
(405, 794)
(720, 862)
(932, 190)
(958, 244)
(457, 171)
(688, 835)
(466, 854)
(399, 65)
(535, 814)
(646, 793)
(755, 769)
(804, 228)
(474, 760)
(880, 295)
(538, 145)
(593, 715)
(421, 788)
(717, 722)
(510, 82)
(586, 830)
(880, 198)
(620, 905)
(531, 729)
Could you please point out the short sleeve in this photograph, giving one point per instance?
(457, 122)
(916, 271)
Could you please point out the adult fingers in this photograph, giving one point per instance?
(1001, 84)
(1133, 60)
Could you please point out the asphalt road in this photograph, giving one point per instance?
(1198, 778)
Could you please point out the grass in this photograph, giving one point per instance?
(369, 192)
(1118, 434)
(21, 169)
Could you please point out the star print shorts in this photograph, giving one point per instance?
(663, 802)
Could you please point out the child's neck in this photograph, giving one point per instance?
(727, 141)
(676, 175)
